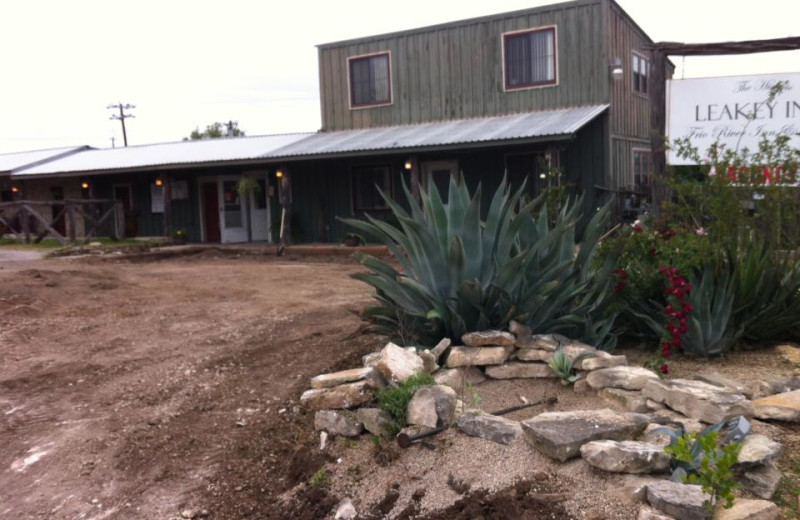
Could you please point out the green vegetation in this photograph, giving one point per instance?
(394, 399)
(707, 458)
(564, 367)
(320, 478)
(461, 273)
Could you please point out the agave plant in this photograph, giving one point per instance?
(711, 329)
(564, 367)
(460, 273)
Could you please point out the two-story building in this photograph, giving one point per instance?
(556, 94)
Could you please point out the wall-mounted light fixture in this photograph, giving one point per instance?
(14, 189)
(279, 173)
(159, 182)
(616, 69)
(408, 165)
(85, 185)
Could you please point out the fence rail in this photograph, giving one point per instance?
(18, 216)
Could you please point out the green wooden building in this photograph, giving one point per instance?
(555, 94)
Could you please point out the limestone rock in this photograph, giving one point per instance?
(489, 427)
(758, 450)
(375, 421)
(397, 364)
(653, 437)
(646, 514)
(518, 329)
(560, 435)
(683, 501)
(348, 395)
(761, 481)
(440, 347)
(371, 360)
(654, 406)
(779, 386)
(534, 354)
(632, 488)
(345, 510)
(428, 361)
(432, 406)
(488, 338)
(459, 378)
(626, 456)
(603, 360)
(581, 386)
(345, 376)
(541, 341)
(781, 407)
(516, 370)
(726, 383)
(702, 401)
(628, 378)
(750, 510)
(628, 400)
(790, 353)
(338, 423)
(476, 356)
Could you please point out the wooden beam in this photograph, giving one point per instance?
(722, 48)
(658, 121)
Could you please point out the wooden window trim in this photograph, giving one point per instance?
(541, 84)
(354, 210)
(642, 58)
(350, 59)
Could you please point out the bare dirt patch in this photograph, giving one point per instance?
(139, 390)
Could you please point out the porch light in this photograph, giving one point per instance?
(14, 189)
(85, 185)
(159, 182)
(408, 165)
(616, 69)
(542, 175)
(279, 173)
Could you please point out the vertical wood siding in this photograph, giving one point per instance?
(456, 71)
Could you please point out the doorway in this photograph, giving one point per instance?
(211, 211)
(439, 173)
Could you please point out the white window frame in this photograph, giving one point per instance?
(642, 58)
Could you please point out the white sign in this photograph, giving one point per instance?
(732, 110)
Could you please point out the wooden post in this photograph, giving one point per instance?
(71, 231)
(415, 178)
(658, 120)
(119, 221)
(286, 214)
(167, 207)
(24, 223)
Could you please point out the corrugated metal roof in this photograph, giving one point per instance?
(489, 130)
(15, 161)
(530, 125)
(165, 154)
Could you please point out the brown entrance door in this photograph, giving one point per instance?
(59, 224)
(211, 211)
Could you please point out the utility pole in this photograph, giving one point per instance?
(122, 117)
(113, 142)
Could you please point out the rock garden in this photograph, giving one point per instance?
(544, 364)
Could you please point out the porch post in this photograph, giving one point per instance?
(286, 213)
(415, 178)
(658, 107)
(24, 223)
(71, 221)
(167, 206)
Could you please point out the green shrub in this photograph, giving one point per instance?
(707, 458)
(320, 478)
(460, 273)
(394, 399)
(564, 367)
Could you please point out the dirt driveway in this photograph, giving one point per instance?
(141, 390)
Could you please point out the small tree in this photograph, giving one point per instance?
(216, 131)
(246, 187)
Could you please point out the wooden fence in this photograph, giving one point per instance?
(98, 215)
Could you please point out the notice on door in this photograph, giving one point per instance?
(735, 111)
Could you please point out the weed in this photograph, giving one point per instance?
(394, 400)
(474, 398)
(320, 478)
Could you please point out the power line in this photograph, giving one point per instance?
(122, 117)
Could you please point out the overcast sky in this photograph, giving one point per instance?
(185, 64)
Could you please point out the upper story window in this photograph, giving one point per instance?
(641, 73)
(370, 80)
(530, 58)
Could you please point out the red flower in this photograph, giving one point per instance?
(665, 369)
(637, 228)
